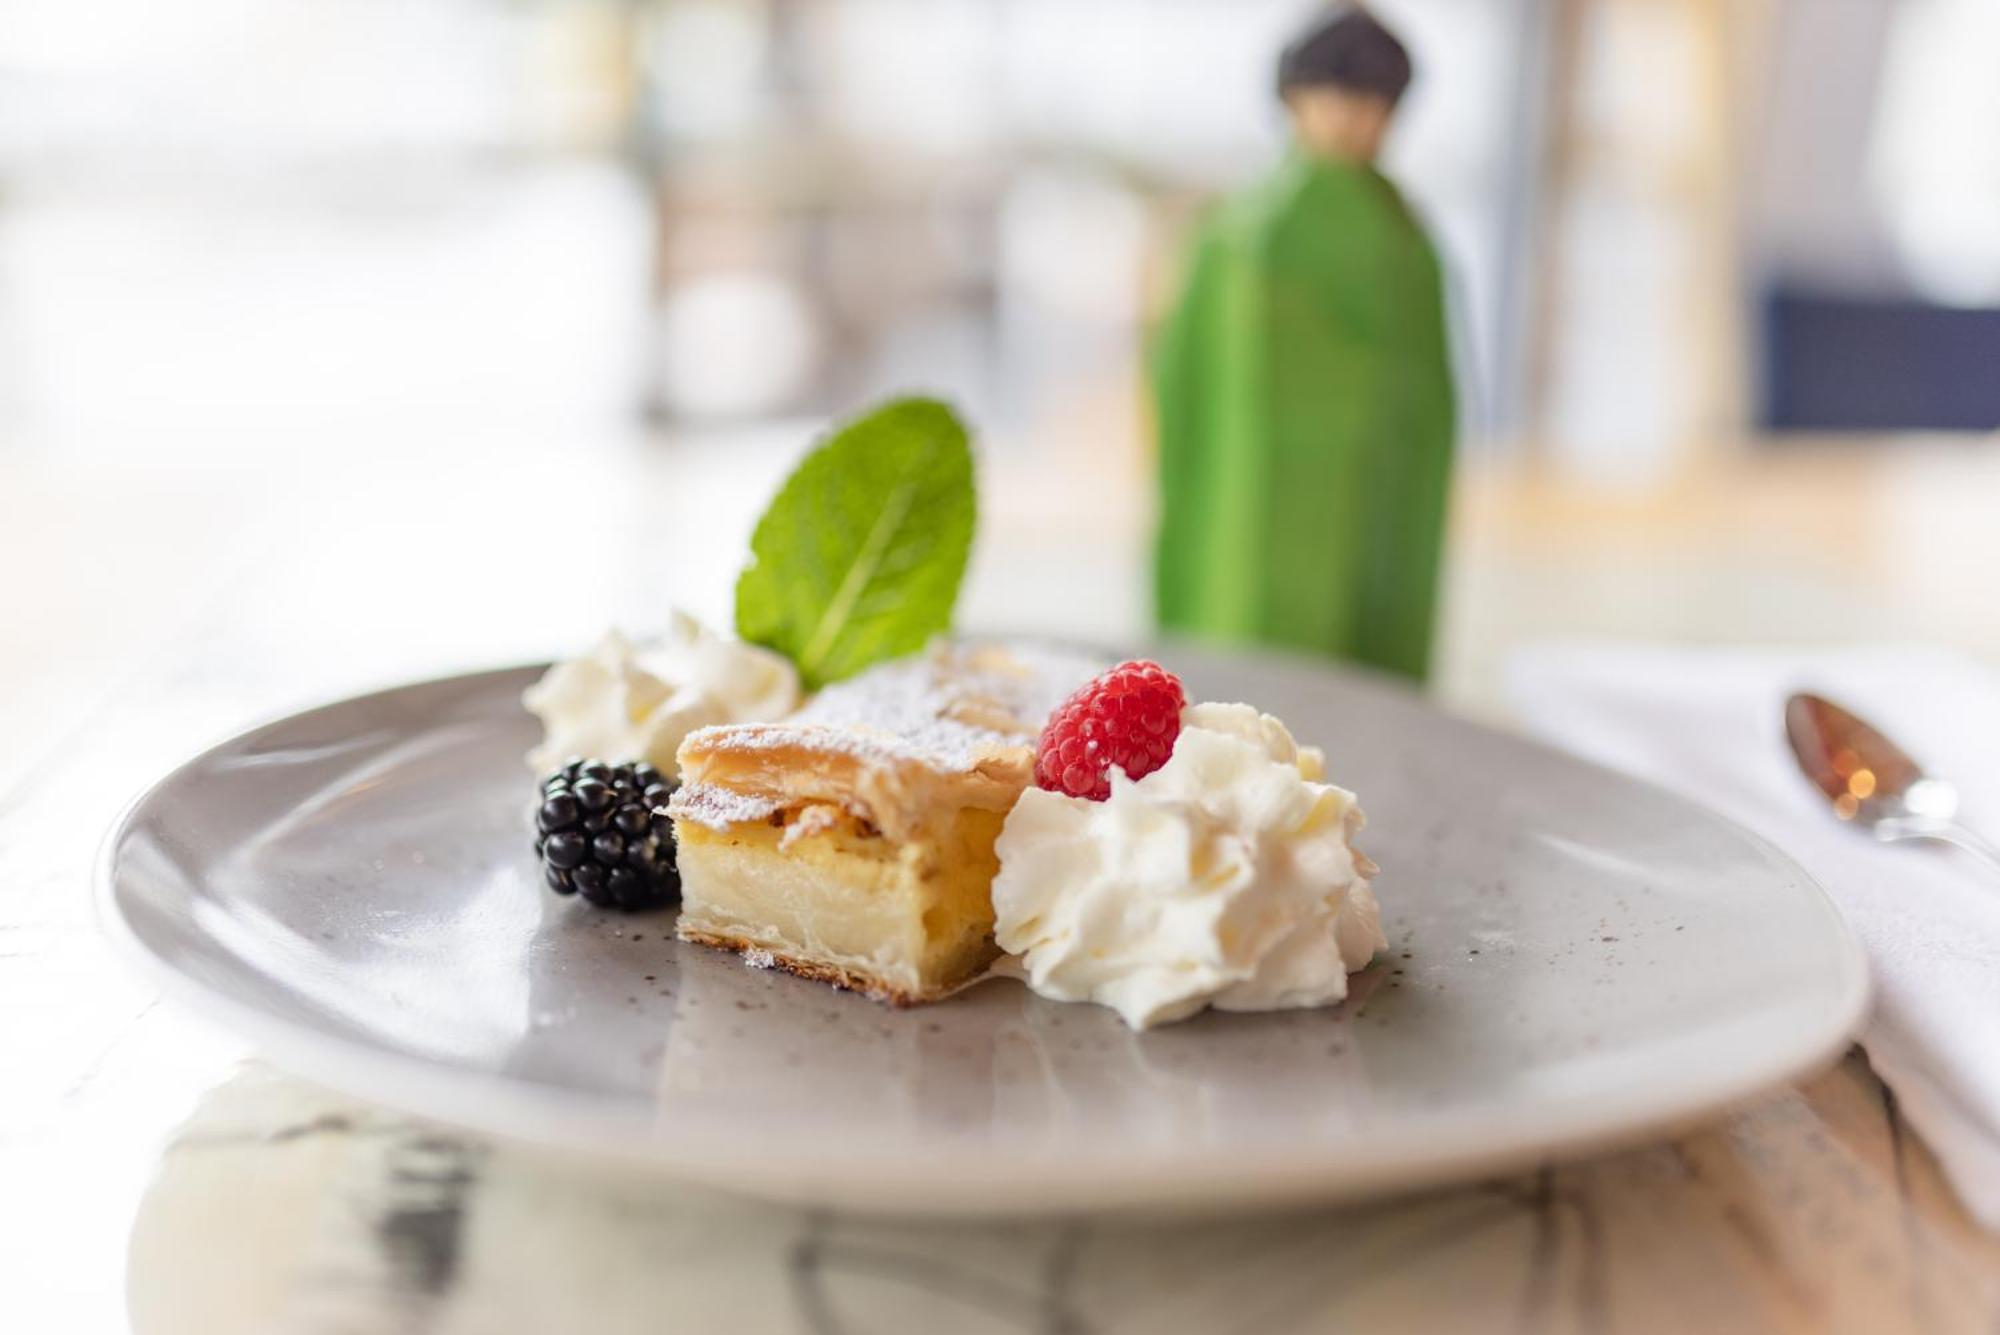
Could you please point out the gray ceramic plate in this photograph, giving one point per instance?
(1576, 959)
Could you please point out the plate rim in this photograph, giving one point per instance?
(546, 1119)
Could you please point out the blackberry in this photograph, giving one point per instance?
(600, 832)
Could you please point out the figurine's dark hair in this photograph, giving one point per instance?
(1347, 48)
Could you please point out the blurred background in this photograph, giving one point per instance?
(440, 331)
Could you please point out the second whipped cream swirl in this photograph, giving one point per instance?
(1224, 878)
(626, 702)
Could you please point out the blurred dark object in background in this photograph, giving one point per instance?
(1877, 364)
(1871, 246)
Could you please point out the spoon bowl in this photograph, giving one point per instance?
(1870, 781)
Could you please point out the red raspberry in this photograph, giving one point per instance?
(1128, 717)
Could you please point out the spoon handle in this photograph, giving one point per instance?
(1944, 831)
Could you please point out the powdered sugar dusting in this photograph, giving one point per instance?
(758, 958)
(716, 807)
(815, 818)
(946, 709)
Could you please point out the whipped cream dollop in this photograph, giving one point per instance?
(1226, 878)
(628, 702)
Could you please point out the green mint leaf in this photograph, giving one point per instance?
(859, 556)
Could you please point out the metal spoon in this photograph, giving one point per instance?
(1872, 782)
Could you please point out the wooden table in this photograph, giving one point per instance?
(149, 610)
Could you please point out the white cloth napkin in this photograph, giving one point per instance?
(1711, 724)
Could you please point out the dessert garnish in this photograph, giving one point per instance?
(859, 557)
(1226, 877)
(627, 701)
(602, 832)
(1127, 717)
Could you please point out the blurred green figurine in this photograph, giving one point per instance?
(1304, 387)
